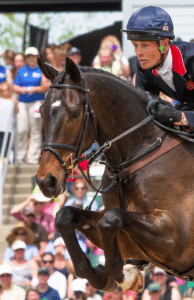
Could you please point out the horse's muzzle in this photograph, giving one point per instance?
(49, 186)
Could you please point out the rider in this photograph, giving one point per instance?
(162, 66)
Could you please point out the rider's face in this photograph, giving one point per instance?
(147, 53)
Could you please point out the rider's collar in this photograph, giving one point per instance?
(177, 62)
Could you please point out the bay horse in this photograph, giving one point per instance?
(148, 212)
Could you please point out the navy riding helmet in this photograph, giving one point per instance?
(149, 23)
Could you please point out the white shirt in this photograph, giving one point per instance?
(166, 71)
(57, 281)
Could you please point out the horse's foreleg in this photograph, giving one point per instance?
(153, 235)
(67, 220)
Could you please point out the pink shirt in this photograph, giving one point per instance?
(46, 220)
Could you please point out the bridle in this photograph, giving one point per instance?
(77, 149)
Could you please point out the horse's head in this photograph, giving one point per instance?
(66, 124)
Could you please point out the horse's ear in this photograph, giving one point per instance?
(72, 69)
(49, 72)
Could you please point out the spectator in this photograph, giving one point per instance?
(21, 232)
(53, 204)
(37, 202)
(31, 85)
(96, 254)
(91, 292)
(10, 290)
(22, 269)
(6, 97)
(46, 292)
(79, 190)
(59, 59)
(28, 216)
(2, 69)
(112, 43)
(153, 292)
(56, 279)
(48, 54)
(189, 291)
(62, 264)
(75, 54)
(78, 288)
(168, 291)
(18, 63)
(32, 294)
(8, 57)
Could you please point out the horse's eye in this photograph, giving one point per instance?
(75, 114)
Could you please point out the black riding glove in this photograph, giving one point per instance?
(165, 114)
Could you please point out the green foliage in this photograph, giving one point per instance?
(62, 26)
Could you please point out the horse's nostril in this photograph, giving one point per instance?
(50, 183)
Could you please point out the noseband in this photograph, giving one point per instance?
(77, 149)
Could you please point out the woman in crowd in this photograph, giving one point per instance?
(25, 234)
(8, 58)
(59, 59)
(31, 86)
(48, 54)
(6, 97)
(79, 190)
(18, 63)
(112, 43)
(32, 294)
(23, 270)
(62, 264)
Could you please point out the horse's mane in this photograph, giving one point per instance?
(134, 89)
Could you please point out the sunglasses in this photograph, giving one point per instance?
(38, 203)
(30, 216)
(20, 233)
(158, 274)
(48, 261)
(80, 188)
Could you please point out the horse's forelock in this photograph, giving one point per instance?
(62, 76)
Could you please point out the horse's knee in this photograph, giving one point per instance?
(64, 217)
(110, 221)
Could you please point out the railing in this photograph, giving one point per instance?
(8, 128)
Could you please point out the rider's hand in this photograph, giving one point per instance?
(166, 114)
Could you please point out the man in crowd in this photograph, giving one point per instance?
(10, 290)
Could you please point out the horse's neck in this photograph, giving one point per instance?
(118, 110)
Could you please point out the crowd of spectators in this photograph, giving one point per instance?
(36, 263)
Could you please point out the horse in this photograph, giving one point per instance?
(148, 212)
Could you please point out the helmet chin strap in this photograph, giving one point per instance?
(161, 49)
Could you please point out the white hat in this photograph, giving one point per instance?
(18, 245)
(31, 51)
(5, 269)
(41, 198)
(78, 285)
(59, 241)
(158, 271)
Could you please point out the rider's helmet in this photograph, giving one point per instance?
(150, 23)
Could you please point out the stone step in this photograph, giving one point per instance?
(22, 169)
(18, 179)
(9, 189)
